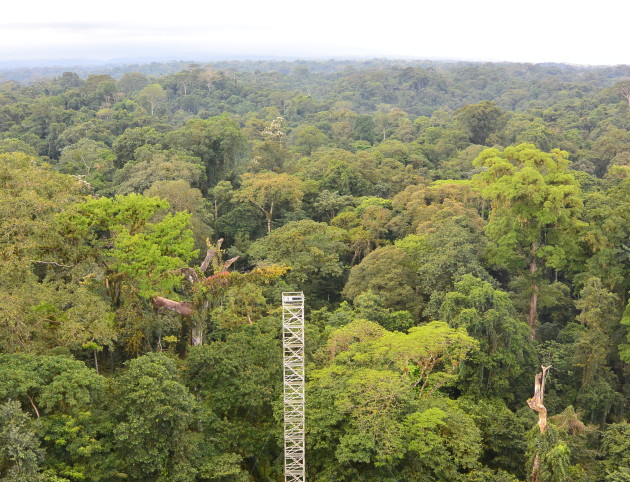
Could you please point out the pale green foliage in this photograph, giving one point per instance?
(354, 332)
(365, 409)
(270, 192)
(55, 315)
(17, 145)
(87, 158)
(532, 194)
(152, 95)
(25, 225)
(145, 252)
(182, 197)
(153, 165)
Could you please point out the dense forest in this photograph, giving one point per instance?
(454, 227)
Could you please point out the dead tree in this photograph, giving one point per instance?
(194, 312)
(207, 291)
(536, 404)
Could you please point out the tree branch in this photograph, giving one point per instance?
(210, 254)
(184, 308)
(229, 263)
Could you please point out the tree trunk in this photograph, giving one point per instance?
(269, 216)
(533, 299)
(536, 404)
(196, 333)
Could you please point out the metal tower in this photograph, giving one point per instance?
(293, 363)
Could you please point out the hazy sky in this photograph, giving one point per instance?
(513, 30)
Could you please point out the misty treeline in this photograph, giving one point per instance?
(454, 227)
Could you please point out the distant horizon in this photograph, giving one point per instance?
(536, 32)
(69, 62)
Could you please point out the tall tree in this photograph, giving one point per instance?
(152, 94)
(268, 191)
(480, 120)
(534, 216)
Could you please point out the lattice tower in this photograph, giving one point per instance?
(293, 363)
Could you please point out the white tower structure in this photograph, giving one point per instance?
(293, 362)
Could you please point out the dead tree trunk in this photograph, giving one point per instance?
(194, 313)
(536, 404)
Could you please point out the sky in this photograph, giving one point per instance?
(584, 33)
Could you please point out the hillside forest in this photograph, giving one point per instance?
(455, 228)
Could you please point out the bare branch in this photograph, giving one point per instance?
(206, 262)
(229, 263)
(184, 308)
(30, 399)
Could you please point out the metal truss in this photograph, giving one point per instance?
(293, 363)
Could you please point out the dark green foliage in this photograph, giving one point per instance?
(153, 422)
(505, 353)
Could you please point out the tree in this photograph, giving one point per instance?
(624, 348)
(599, 315)
(388, 272)
(17, 145)
(480, 120)
(45, 306)
(154, 421)
(536, 403)
(608, 217)
(616, 452)
(364, 128)
(217, 141)
(535, 208)
(240, 390)
(155, 165)
(207, 292)
(91, 160)
(126, 144)
(184, 198)
(152, 94)
(306, 139)
(268, 191)
(20, 452)
(623, 88)
(505, 353)
(129, 253)
(376, 405)
(313, 251)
